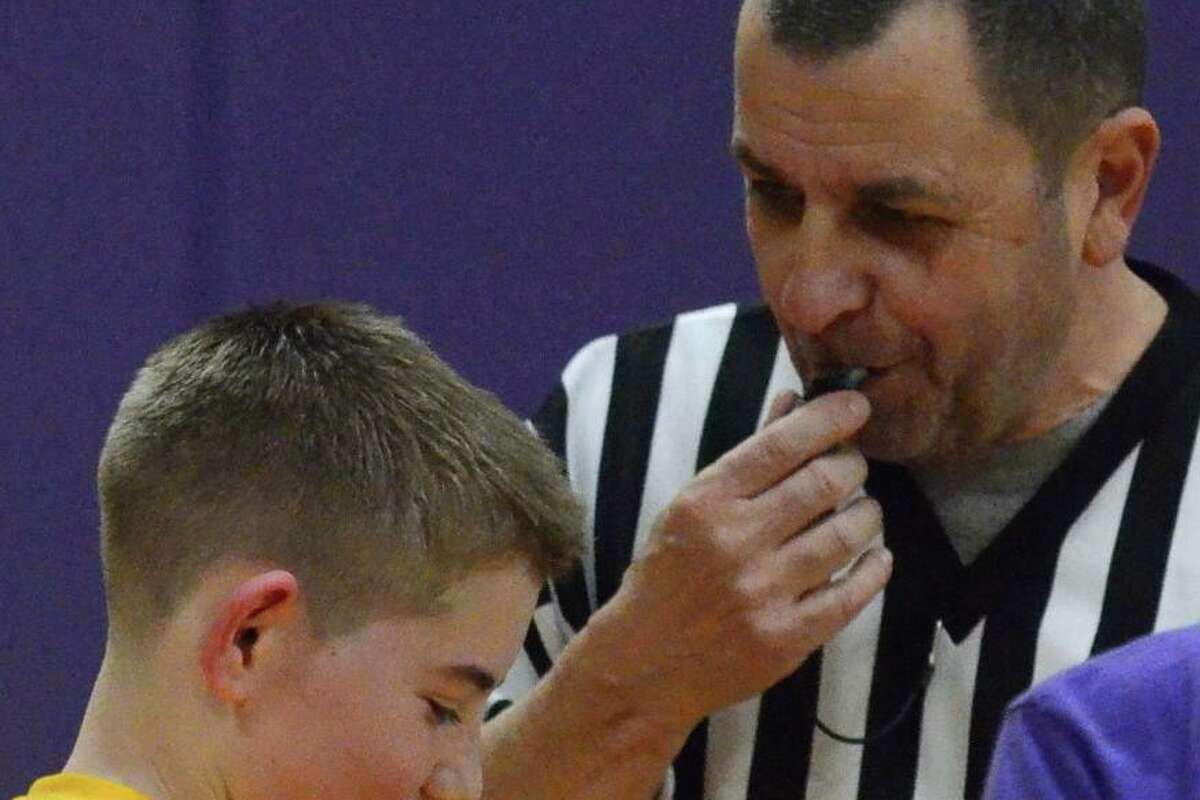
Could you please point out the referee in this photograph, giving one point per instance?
(840, 600)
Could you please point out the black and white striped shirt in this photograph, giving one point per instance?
(1106, 550)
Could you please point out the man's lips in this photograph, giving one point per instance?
(837, 378)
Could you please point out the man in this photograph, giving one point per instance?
(939, 196)
(321, 550)
(1124, 726)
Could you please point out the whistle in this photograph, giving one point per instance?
(836, 381)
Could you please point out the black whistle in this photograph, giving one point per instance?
(836, 381)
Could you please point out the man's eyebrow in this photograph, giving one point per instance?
(886, 190)
(478, 677)
(742, 153)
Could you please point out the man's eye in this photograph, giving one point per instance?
(776, 196)
(443, 715)
(890, 215)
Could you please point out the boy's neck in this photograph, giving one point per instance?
(125, 738)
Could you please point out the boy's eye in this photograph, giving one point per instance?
(443, 715)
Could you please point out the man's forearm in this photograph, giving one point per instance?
(579, 735)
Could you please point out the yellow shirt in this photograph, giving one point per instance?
(79, 787)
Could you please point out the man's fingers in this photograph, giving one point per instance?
(779, 449)
(821, 615)
(812, 557)
(784, 402)
(817, 488)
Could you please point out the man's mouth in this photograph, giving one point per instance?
(838, 380)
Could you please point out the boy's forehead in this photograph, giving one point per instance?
(480, 623)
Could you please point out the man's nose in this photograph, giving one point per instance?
(826, 273)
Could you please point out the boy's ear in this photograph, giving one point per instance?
(246, 631)
(1124, 147)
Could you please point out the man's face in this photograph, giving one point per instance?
(394, 709)
(897, 225)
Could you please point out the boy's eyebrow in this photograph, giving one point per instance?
(477, 677)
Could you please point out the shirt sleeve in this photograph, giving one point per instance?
(1045, 755)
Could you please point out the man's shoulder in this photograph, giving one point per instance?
(639, 344)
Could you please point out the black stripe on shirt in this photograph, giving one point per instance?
(551, 421)
(1006, 664)
(570, 590)
(741, 385)
(925, 567)
(1139, 561)
(784, 736)
(534, 647)
(733, 412)
(628, 431)
(536, 651)
(689, 765)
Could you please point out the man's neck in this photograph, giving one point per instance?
(1118, 317)
(977, 498)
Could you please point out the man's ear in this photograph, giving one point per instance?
(248, 623)
(1124, 148)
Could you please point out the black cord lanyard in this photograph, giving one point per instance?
(852, 378)
(917, 692)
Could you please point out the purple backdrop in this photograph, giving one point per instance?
(514, 177)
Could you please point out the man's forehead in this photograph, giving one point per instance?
(926, 49)
(904, 111)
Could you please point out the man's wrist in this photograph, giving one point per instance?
(636, 705)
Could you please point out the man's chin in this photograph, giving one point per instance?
(899, 437)
(888, 448)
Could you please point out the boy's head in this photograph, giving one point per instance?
(324, 546)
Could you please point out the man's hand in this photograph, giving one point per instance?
(736, 585)
(736, 588)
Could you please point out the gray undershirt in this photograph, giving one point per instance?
(975, 501)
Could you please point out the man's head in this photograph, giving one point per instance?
(1052, 68)
(329, 545)
(934, 188)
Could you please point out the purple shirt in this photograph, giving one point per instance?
(1123, 725)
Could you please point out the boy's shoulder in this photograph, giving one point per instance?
(70, 786)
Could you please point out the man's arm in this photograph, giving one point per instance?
(579, 734)
(734, 591)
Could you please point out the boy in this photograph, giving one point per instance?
(321, 550)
